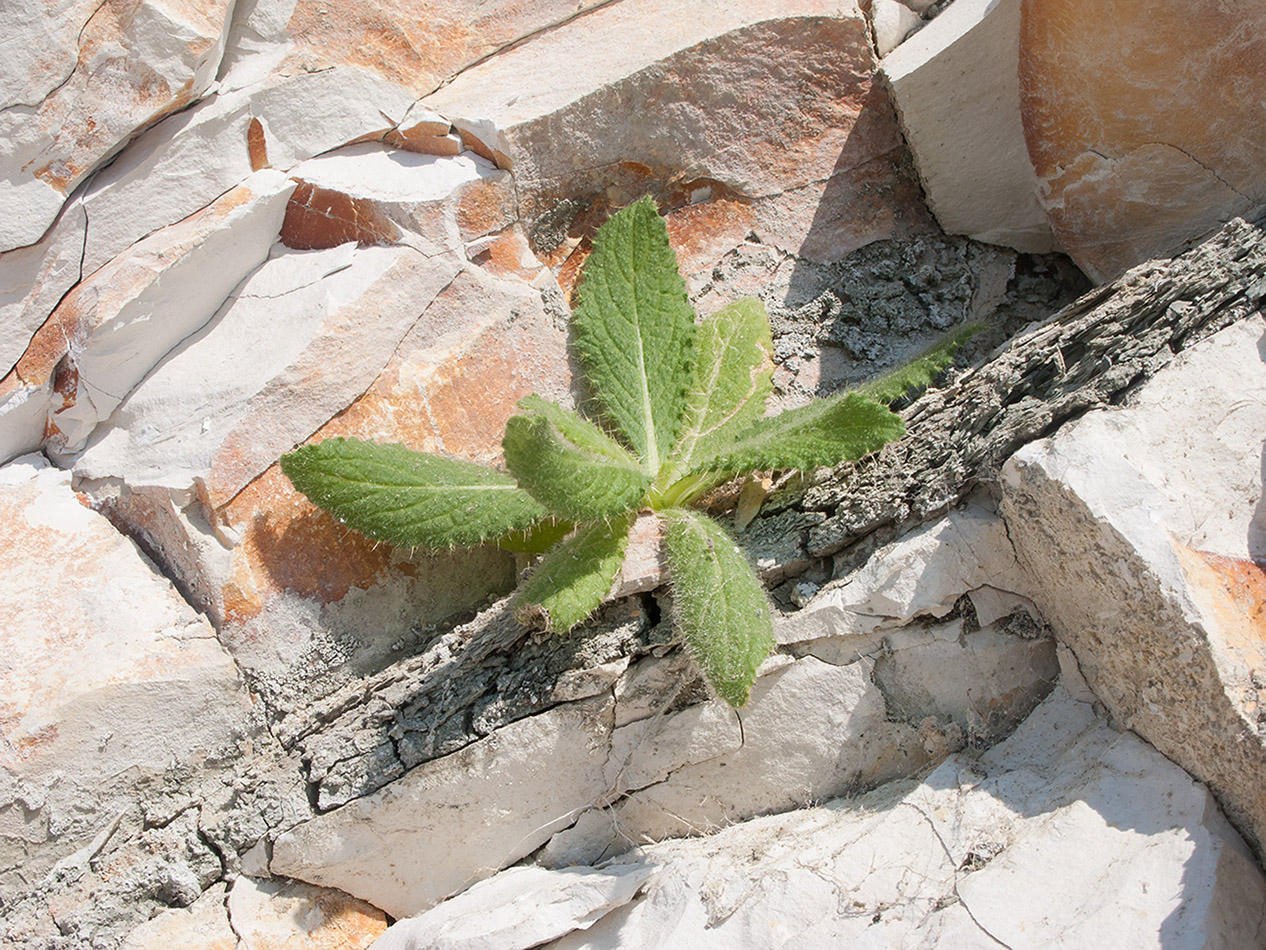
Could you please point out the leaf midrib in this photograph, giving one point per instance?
(651, 462)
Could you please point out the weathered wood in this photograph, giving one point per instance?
(1088, 355)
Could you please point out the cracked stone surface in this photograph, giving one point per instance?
(1142, 530)
(965, 857)
(1139, 154)
(956, 88)
(78, 80)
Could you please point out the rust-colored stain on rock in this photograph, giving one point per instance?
(408, 43)
(508, 255)
(1232, 591)
(484, 207)
(1144, 125)
(290, 544)
(318, 218)
(256, 145)
(99, 297)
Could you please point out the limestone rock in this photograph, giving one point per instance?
(956, 88)
(922, 574)
(116, 326)
(97, 649)
(203, 924)
(1141, 530)
(401, 848)
(830, 715)
(78, 80)
(411, 44)
(1145, 125)
(1068, 834)
(33, 280)
(280, 915)
(891, 22)
(628, 100)
(520, 907)
(186, 161)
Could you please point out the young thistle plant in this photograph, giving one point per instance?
(682, 409)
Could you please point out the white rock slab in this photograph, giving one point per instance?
(562, 66)
(520, 907)
(401, 848)
(34, 278)
(957, 90)
(186, 161)
(114, 327)
(1068, 834)
(115, 72)
(134, 312)
(241, 392)
(1140, 528)
(810, 731)
(96, 648)
(891, 22)
(922, 574)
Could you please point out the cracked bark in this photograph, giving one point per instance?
(1088, 355)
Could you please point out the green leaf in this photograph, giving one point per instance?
(635, 330)
(569, 465)
(921, 370)
(718, 603)
(824, 432)
(574, 578)
(392, 493)
(536, 538)
(733, 377)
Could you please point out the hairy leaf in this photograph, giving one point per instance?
(569, 465)
(392, 493)
(635, 330)
(536, 538)
(921, 370)
(824, 432)
(574, 578)
(718, 603)
(733, 378)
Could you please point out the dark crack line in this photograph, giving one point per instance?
(360, 395)
(953, 864)
(519, 41)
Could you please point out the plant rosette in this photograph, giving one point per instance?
(681, 411)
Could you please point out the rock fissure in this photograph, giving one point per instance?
(519, 41)
(955, 872)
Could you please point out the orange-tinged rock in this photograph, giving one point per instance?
(1143, 121)
(1232, 590)
(413, 43)
(319, 217)
(95, 647)
(111, 330)
(634, 100)
(285, 915)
